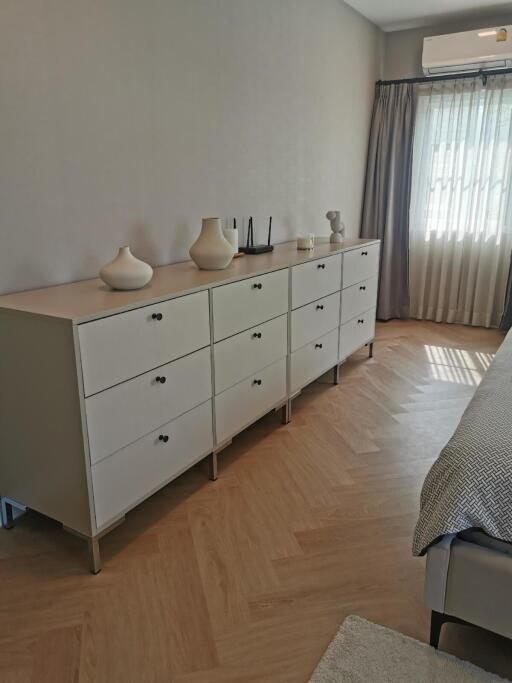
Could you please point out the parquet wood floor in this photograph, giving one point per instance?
(247, 579)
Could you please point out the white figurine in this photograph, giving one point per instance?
(337, 227)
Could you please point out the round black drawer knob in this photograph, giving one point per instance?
(320, 307)
(318, 346)
(161, 380)
(157, 316)
(321, 265)
(257, 381)
(362, 288)
(257, 285)
(164, 438)
(256, 335)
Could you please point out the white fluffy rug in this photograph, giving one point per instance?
(362, 652)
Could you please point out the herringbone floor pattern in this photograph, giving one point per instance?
(247, 579)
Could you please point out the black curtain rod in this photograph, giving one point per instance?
(447, 77)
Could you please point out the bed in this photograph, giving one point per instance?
(465, 522)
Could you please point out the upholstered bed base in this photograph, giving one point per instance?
(470, 582)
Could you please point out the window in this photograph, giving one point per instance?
(461, 201)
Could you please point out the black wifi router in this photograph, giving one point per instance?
(250, 247)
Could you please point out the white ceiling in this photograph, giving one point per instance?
(395, 15)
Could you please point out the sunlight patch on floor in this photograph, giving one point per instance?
(457, 366)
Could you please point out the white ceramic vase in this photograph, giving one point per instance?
(126, 271)
(211, 250)
(231, 234)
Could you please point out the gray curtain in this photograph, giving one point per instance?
(388, 191)
(506, 320)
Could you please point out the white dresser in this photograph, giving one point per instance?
(107, 396)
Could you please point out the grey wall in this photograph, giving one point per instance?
(125, 122)
(403, 49)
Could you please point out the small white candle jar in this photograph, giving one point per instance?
(306, 241)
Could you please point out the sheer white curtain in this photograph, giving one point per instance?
(461, 203)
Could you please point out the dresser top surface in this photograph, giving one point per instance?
(87, 300)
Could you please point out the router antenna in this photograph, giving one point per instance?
(249, 228)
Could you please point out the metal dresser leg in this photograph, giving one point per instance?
(212, 466)
(336, 374)
(286, 412)
(94, 555)
(93, 544)
(370, 350)
(7, 514)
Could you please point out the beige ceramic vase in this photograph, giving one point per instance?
(211, 250)
(126, 271)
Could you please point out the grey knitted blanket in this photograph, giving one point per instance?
(470, 484)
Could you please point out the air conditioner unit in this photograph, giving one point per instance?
(469, 51)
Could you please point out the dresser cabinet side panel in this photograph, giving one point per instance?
(42, 459)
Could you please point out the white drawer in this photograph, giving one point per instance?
(356, 333)
(314, 320)
(243, 304)
(313, 360)
(242, 355)
(121, 346)
(120, 415)
(130, 475)
(360, 264)
(247, 401)
(358, 298)
(315, 279)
